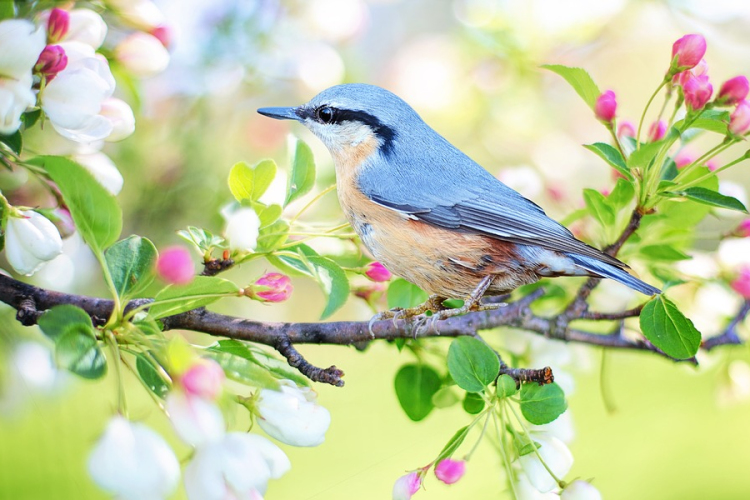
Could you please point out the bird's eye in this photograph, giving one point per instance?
(324, 114)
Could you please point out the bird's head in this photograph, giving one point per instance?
(353, 120)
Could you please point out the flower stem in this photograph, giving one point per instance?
(643, 115)
(122, 406)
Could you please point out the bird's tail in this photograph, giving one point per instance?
(604, 270)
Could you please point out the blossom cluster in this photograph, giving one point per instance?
(53, 71)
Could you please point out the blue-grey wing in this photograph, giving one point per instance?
(456, 193)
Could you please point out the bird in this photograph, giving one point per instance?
(432, 215)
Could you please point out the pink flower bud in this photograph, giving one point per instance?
(683, 158)
(369, 293)
(657, 130)
(164, 34)
(57, 25)
(739, 122)
(688, 51)
(273, 287)
(406, 486)
(697, 90)
(203, 379)
(175, 266)
(51, 61)
(626, 129)
(606, 107)
(743, 229)
(733, 91)
(699, 70)
(377, 272)
(450, 471)
(741, 284)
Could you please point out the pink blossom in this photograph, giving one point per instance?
(164, 34)
(57, 25)
(51, 61)
(377, 272)
(406, 486)
(733, 91)
(450, 471)
(741, 284)
(688, 51)
(657, 130)
(743, 229)
(175, 266)
(697, 90)
(700, 69)
(605, 106)
(273, 287)
(203, 379)
(739, 121)
(683, 158)
(626, 129)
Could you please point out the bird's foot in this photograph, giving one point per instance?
(471, 303)
(434, 303)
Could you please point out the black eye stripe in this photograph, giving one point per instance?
(339, 116)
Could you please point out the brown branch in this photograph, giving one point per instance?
(729, 336)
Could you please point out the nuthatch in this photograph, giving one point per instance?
(430, 213)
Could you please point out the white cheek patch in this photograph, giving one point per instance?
(343, 136)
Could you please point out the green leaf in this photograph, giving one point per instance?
(267, 214)
(621, 195)
(290, 262)
(272, 237)
(506, 386)
(403, 294)
(59, 319)
(243, 370)
(599, 207)
(249, 183)
(453, 443)
(415, 387)
(527, 448)
(7, 9)
(131, 263)
(580, 80)
(663, 252)
(642, 158)
(95, 211)
(78, 351)
(30, 118)
(712, 198)
(472, 364)
(204, 240)
(202, 291)
(445, 397)
(302, 178)
(473, 403)
(668, 329)
(541, 404)
(332, 280)
(14, 141)
(612, 156)
(280, 369)
(148, 373)
(712, 120)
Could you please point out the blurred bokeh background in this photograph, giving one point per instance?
(471, 69)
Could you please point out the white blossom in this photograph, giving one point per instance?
(120, 115)
(21, 42)
(20, 45)
(133, 462)
(196, 420)
(86, 26)
(242, 228)
(30, 241)
(31, 370)
(237, 466)
(73, 100)
(142, 54)
(292, 415)
(580, 490)
(556, 456)
(141, 14)
(102, 168)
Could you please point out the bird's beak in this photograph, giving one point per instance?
(280, 113)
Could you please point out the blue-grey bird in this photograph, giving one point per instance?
(430, 213)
